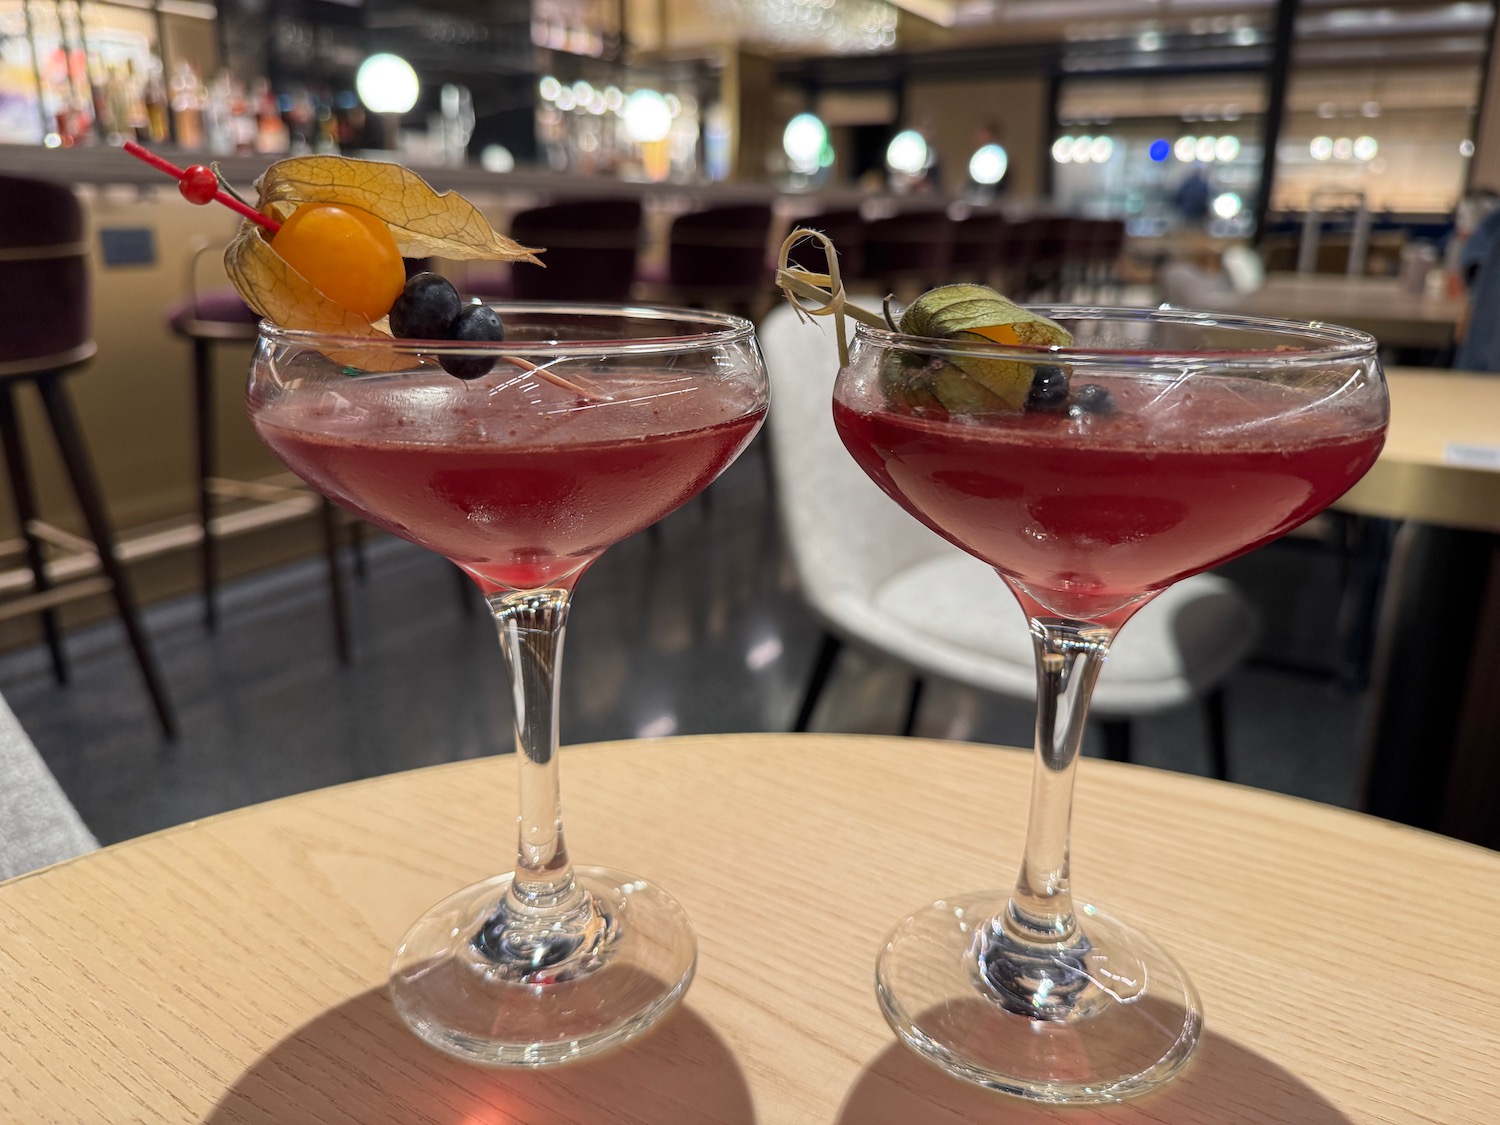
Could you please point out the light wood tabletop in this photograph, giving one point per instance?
(1380, 306)
(232, 970)
(1441, 461)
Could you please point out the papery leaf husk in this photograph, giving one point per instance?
(424, 222)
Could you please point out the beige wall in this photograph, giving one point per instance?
(953, 113)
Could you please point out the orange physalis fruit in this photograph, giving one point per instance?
(346, 253)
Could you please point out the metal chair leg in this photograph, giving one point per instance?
(828, 653)
(1116, 739)
(1218, 734)
(26, 513)
(913, 704)
(337, 588)
(75, 458)
(203, 420)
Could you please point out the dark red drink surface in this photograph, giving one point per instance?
(1083, 516)
(523, 494)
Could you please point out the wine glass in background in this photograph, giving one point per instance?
(587, 425)
(1182, 440)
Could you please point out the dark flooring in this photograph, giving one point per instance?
(694, 628)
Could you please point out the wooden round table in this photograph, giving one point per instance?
(232, 970)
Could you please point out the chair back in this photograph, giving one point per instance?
(844, 535)
(721, 248)
(976, 244)
(591, 250)
(914, 245)
(846, 229)
(46, 317)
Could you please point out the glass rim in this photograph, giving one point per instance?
(1327, 343)
(717, 329)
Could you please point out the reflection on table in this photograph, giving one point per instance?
(233, 969)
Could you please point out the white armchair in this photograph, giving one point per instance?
(875, 576)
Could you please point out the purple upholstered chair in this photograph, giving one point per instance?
(591, 250)
(914, 248)
(847, 230)
(206, 318)
(46, 332)
(717, 257)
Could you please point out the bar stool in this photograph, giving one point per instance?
(846, 229)
(46, 334)
(591, 250)
(717, 257)
(976, 245)
(205, 319)
(911, 250)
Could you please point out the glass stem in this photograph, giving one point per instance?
(531, 626)
(1069, 655)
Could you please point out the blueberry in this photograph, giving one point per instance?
(425, 308)
(1091, 398)
(474, 324)
(1049, 388)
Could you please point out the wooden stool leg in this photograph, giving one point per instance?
(25, 501)
(337, 594)
(75, 458)
(203, 418)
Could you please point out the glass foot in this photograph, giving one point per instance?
(594, 980)
(1106, 1019)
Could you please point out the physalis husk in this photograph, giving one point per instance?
(969, 384)
(422, 221)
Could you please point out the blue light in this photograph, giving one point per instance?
(1160, 150)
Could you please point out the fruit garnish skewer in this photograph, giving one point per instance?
(334, 262)
(963, 380)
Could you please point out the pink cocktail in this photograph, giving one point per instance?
(586, 425)
(1158, 444)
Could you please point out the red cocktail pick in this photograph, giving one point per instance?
(221, 195)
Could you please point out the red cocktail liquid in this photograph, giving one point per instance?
(521, 492)
(1084, 516)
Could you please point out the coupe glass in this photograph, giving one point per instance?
(1219, 434)
(595, 422)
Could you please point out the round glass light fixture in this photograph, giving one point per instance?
(907, 152)
(1320, 148)
(1226, 148)
(647, 117)
(387, 84)
(1185, 148)
(582, 92)
(1466, 148)
(1227, 205)
(1062, 150)
(1206, 149)
(1365, 148)
(1343, 148)
(497, 158)
(988, 164)
(803, 141)
(1083, 148)
(614, 100)
(1101, 150)
(549, 87)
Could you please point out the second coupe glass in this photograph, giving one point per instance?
(1182, 441)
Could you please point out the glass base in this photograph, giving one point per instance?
(1104, 1019)
(597, 978)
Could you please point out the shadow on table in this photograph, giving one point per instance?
(358, 1064)
(1224, 1084)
